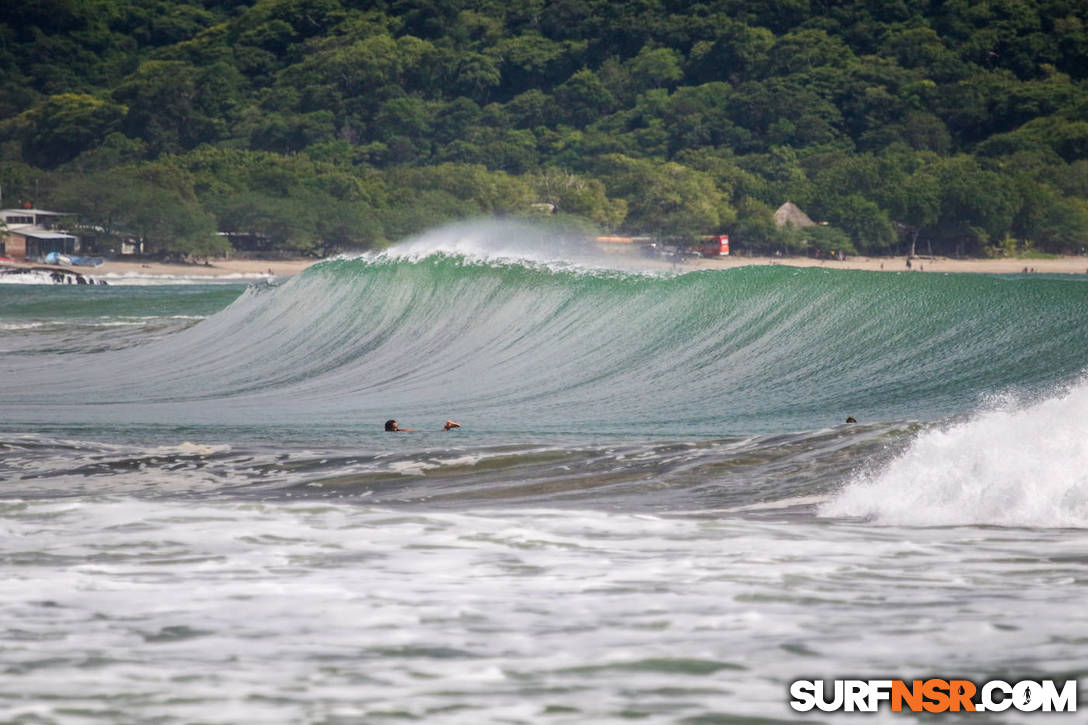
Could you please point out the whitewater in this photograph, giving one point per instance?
(654, 508)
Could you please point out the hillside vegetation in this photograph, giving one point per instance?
(957, 126)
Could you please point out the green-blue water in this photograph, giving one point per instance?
(653, 508)
(518, 348)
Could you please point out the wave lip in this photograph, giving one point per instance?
(489, 240)
(1015, 465)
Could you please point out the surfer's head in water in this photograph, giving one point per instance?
(450, 424)
(851, 419)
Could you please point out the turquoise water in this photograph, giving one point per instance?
(45, 320)
(523, 349)
(653, 508)
(67, 302)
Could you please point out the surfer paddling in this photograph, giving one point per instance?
(391, 426)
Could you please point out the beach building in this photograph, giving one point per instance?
(34, 233)
(790, 213)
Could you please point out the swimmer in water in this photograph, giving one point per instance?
(391, 426)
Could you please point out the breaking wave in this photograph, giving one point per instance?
(576, 379)
(1013, 465)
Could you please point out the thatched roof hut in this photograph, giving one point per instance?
(790, 213)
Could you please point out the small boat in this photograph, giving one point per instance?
(55, 258)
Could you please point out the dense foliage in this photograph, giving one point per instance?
(958, 126)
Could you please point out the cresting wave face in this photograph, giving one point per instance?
(484, 324)
(526, 346)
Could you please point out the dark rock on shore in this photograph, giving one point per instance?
(58, 275)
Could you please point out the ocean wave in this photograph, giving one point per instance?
(1015, 464)
(444, 327)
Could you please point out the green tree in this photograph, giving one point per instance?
(63, 126)
(805, 49)
(736, 51)
(976, 206)
(866, 224)
(1048, 221)
(17, 182)
(583, 98)
(287, 222)
(655, 68)
(914, 204)
(129, 203)
(666, 199)
(783, 175)
(828, 240)
(529, 61)
(580, 196)
(116, 149)
(483, 191)
(287, 133)
(754, 229)
(174, 105)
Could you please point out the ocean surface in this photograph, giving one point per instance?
(653, 511)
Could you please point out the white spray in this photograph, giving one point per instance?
(1010, 466)
(512, 240)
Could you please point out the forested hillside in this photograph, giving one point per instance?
(961, 126)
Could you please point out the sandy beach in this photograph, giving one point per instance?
(216, 268)
(1063, 265)
(242, 268)
(282, 268)
(944, 265)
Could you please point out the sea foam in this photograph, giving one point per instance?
(1012, 465)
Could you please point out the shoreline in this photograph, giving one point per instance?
(120, 270)
(260, 268)
(1076, 265)
(218, 268)
(941, 265)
